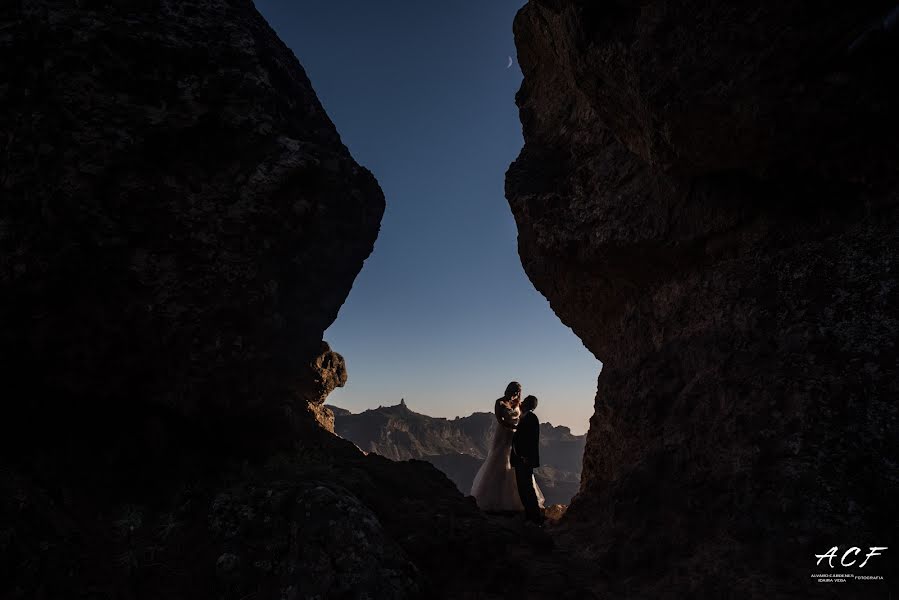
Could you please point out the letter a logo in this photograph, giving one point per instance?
(829, 555)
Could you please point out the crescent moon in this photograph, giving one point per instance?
(508, 66)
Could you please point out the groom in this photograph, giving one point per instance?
(526, 457)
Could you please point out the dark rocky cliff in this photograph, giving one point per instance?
(459, 446)
(708, 196)
(179, 223)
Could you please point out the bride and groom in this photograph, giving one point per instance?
(505, 482)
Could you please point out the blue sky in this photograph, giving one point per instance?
(442, 314)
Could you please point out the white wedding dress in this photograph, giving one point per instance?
(495, 487)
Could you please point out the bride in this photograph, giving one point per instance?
(494, 486)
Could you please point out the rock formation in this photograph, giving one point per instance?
(179, 223)
(707, 195)
(459, 446)
(324, 374)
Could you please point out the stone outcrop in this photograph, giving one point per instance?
(708, 196)
(180, 223)
(324, 374)
(459, 446)
(323, 521)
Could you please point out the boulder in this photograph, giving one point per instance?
(180, 223)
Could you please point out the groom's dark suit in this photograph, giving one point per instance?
(525, 458)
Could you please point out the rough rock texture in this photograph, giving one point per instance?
(180, 223)
(324, 521)
(708, 196)
(324, 374)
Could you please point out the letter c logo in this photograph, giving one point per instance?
(843, 560)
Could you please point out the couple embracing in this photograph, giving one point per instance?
(505, 482)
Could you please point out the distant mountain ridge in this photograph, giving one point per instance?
(458, 446)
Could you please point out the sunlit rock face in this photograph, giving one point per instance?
(323, 375)
(180, 222)
(708, 196)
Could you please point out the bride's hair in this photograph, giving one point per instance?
(513, 388)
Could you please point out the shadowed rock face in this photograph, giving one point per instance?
(180, 223)
(707, 195)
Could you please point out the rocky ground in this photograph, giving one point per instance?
(324, 521)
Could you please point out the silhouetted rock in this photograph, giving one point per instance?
(179, 224)
(324, 521)
(707, 196)
(333, 545)
(459, 446)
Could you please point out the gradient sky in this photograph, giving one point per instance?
(442, 314)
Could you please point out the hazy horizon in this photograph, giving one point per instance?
(412, 408)
(442, 313)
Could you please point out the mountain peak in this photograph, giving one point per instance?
(459, 446)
